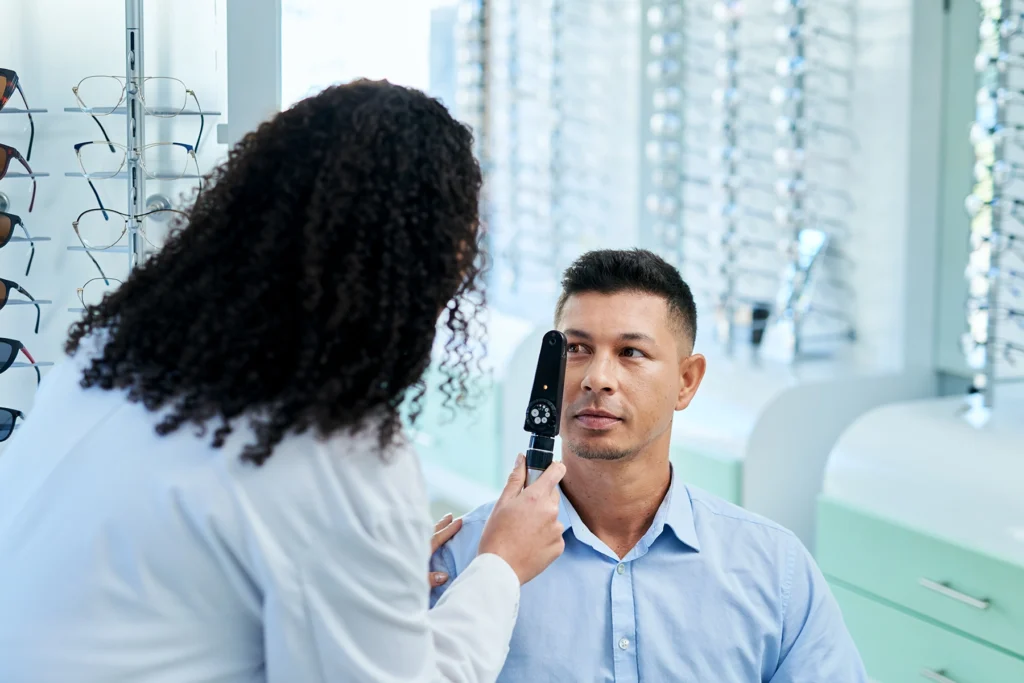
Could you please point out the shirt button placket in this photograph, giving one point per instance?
(624, 659)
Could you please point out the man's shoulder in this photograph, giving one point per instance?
(477, 517)
(461, 549)
(715, 514)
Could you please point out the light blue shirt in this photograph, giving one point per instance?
(711, 594)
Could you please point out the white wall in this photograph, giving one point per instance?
(53, 44)
(897, 119)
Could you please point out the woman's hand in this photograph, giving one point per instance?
(443, 532)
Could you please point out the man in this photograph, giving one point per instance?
(659, 581)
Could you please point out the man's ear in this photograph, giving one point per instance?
(691, 372)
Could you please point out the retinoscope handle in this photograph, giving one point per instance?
(538, 456)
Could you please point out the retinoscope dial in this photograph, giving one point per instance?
(542, 417)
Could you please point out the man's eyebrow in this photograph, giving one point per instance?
(625, 336)
(578, 333)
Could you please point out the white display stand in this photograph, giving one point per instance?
(781, 421)
(929, 466)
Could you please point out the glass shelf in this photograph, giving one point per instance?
(20, 302)
(5, 110)
(26, 175)
(160, 113)
(76, 310)
(122, 175)
(122, 249)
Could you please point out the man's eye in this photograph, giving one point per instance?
(631, 352)
(572, 348)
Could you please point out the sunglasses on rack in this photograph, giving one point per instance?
(7, 153)
(161, 96)
(9, 349)
(8, 222)
(8, 418)
(8, 85)
(8, 286)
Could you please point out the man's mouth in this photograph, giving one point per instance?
(596, 419)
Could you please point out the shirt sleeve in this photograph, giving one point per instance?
(442, 561)
(363, 615)
(816, 645)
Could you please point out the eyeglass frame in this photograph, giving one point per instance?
(152, 112)
(81, 290)
(189, 149)
(14, 84)
(16, 346)
(15, 154)
(17, 222)
(89, 177)
(15, 416)
(89, 249)
(10, 285)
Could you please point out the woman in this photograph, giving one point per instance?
(215, 487)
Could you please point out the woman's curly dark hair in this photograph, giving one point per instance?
(306, 288)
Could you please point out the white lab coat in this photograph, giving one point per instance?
(125, 556)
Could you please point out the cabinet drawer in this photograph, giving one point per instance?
(720, 476)
(972, 592)
(899, 648)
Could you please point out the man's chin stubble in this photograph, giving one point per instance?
(584, 453)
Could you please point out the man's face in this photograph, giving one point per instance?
(629, 368)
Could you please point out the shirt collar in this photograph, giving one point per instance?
(675, 513)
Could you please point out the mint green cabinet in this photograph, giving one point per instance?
(921, 606)
(715, 474)
(898, 647)
(970, 591)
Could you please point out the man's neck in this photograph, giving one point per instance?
(617, 499)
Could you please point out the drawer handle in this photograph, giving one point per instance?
(936, 676)
(943, 589)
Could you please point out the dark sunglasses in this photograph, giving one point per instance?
(6, 154)
(8, 222)
(8, 286)
(8, 416)
(9, 349)
(8, 84)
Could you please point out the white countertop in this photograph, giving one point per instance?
(736, 392)
(925, 464)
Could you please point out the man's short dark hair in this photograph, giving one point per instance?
(610, 271)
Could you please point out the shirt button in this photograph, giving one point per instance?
(624, 644)
(621, 569)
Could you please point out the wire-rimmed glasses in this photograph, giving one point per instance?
(8, 422)
(7, 153)
(8, 222)
(96, 162)
(8, 286)
(97, 232)
(92, 292)
(8, 85)
(161, 96)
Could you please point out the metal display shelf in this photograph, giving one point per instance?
(164, 113)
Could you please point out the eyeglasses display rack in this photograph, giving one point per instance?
(560, 134)
(993, 344)
(812, 99)
(135, 111)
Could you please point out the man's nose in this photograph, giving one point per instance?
(600, 376)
